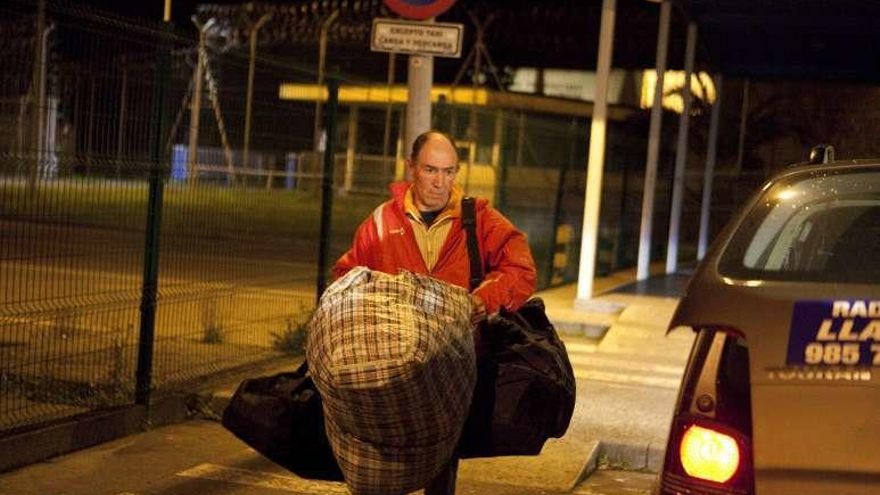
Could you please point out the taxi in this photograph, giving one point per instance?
(781, 393)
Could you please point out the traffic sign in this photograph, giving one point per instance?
(419, 9)
(420, 38)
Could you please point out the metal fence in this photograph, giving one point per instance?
(93, 116)
(160, 205)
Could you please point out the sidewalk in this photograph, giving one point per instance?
(627, 372)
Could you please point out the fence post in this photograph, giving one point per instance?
(150, 285)
(557, 219)
(327, 184)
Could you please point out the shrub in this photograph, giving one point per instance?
(293, 339)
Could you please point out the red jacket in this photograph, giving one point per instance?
(510, 270)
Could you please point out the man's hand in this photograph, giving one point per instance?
(479, 312)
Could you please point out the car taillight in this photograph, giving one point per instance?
(709, 451)
(708, 454)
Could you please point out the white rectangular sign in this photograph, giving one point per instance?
(416, 37)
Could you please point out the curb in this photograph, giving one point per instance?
(45, 441)
(588, 330)
(589, 467)
(645, 458)
(633, 456)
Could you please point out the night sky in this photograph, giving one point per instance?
(181, 10)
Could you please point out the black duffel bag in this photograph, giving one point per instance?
(281, 417)
(525, 390)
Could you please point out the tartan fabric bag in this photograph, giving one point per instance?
(393, 359)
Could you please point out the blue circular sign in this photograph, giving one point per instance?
(419, 9)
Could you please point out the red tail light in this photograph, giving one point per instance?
(705, 457)
(708, 454)
(709, 450)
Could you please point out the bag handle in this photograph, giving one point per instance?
(469, 222)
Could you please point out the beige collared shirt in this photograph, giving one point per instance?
(430, 238)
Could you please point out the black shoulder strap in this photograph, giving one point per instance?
(469, 222)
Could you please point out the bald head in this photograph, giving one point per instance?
(432, 135)
(433, 165)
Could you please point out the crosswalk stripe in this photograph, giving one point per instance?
(580, 347)
(604, 361)
(589, 363)
(626, 379)
(264, 479)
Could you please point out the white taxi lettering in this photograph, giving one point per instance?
(840, 309)
(826, 332)
(855, 309)
(871, 331)
(854, 374)
(846, 331)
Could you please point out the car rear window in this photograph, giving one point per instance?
(818, 227)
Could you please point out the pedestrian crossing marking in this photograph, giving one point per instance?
(580, 347)
(604, 376)
(263, 479)
(589, 363)
(605, 362)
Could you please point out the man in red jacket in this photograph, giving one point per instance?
(419, 229)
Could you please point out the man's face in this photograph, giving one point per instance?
(433, 174)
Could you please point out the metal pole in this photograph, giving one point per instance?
(709, 175)
(123, 96)
(497, 163)
(350, 149)
(150, 287)
(38, 87)
(473, 131)
(327, 186)
(644, 262)
(596, 159)
(386, 140)
(420, 77)
(91, 129)
(196, 108)
(322, 55)
(743, 119)
(400, 152)
(520, 137)
(42, 107)
(557, 211)
(681, 154)
(245, 154)
(418, 108)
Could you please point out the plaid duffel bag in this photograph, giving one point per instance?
(393, 359)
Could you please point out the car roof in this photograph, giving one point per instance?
(808, 167)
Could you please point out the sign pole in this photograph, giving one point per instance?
(420, 69)
(418, 107)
